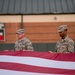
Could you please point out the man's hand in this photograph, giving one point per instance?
(50, 51)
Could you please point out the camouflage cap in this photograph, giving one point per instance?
(20, 31)
(62, 28)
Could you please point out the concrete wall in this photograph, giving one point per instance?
(37, 18)
(41, 47)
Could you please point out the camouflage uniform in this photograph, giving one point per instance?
(64, 45)
(24, 43)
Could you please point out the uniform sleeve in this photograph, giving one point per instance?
(56, 48)
(71, 46)
(29, 46)
(16, 47)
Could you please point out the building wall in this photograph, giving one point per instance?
(47, 32)
(41, 30)
(38, 32)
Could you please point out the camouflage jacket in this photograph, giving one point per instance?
(23, 44)
(65, 45)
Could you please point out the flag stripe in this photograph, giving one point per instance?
(46, 55)
(29, 68)
(38, 62)
(9, 72)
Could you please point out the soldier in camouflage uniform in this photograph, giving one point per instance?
(65, 44)
(23, 43)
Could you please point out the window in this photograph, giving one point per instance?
(2, 32)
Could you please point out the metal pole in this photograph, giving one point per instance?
(21, 26)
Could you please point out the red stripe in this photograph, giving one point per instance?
(29, 68)
(46, 55)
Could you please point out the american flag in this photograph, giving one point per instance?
(36, 63)
(1, 36)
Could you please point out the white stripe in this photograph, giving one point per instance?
(9, 72)
(41, 62)
(1, 33)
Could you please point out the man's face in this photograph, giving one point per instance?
(62, 34)
(20, 35)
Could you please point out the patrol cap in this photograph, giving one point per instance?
(62, 28)
(20, 31)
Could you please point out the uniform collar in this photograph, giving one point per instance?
(63, 40)
(21, 39)
(66, 38)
